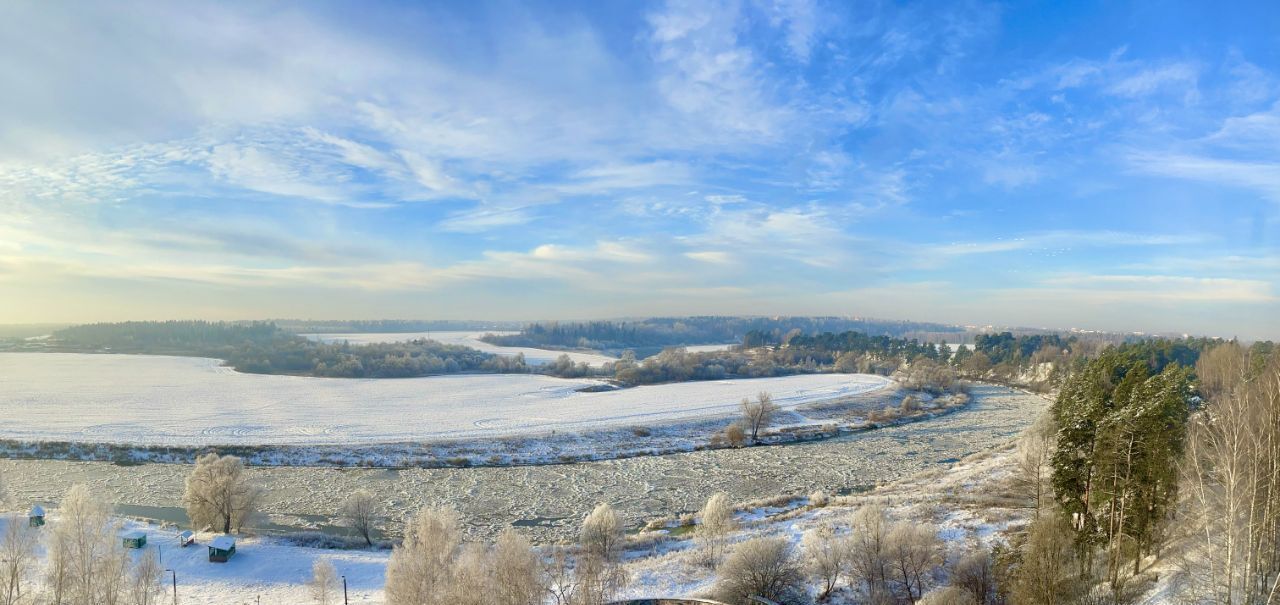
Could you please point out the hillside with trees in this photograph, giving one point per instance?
(661, 332)
(263, 348)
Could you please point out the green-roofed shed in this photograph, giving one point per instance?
(221, 549)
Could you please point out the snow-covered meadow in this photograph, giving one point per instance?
(182, 401)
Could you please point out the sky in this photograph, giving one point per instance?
(1096, 165)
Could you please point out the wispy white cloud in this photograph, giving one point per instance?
(1179, 77)
(1166, 288)
(1261, 176)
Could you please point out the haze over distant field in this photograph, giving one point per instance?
(1108, 166)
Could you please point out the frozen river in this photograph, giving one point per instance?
(547, 501)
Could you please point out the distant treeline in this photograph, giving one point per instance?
(386, 326)
(1001, 357)
(264, 348)
(675, 331)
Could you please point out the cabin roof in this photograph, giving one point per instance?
(37, 511)
(134, 535)
(223, 543)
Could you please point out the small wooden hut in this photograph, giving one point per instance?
(36, 517)
(221, 549)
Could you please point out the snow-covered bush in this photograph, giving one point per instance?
(763, 567)
(716, 524)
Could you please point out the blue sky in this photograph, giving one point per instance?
(1065, 164)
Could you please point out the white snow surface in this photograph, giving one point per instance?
(160, 400)
(532, 356)
(262, 567)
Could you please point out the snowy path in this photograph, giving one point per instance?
(154, 400)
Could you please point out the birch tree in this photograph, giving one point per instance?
(1035, 452)
(1231, 480)
(145, 580)
(324, 583)
(420, 569)
(17, 560)
(86, 554)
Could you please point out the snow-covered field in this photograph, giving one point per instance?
(532, 356)
(157, 400)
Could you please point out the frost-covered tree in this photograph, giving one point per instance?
(324, 585)
(358, 512)
(1046, 573)
(516, 576)
(764, 567)
(17, 560)
(219, 494)
(420, 569)
(756, 415)
(974, 574)
(1231, 480)
(469, 582)
(86, 559)
(145, 580)
(826, 558)
(1035, 453)
(868, 553)
(913, 550)
(601, 534)
(715, 523)
(596, 571)
(949, 595)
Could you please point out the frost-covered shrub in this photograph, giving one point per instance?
(321, 540)
(763, 567)
(717, 522)
(735, 435)
(819, 499)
